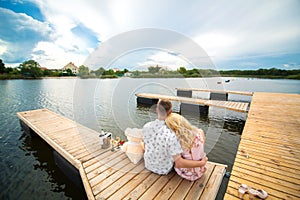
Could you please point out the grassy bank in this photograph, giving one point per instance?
(295, 77)
(10, 76)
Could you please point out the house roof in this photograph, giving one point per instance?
(70, 65)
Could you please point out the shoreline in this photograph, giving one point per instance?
(61, 77)
(166, 77)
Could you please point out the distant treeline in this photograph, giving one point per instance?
(260, 73)
(32, 69)
(264, 73)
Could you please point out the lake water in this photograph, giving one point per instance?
(27, 167)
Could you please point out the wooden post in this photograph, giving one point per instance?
(185, 93)
(27, 129)
(219, 96)
(68, 169)
(193, 109)
(146, 101)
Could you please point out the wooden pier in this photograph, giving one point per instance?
(230, 105)
(110, 175)
(214, 94)
(216, 91)
(268, 155)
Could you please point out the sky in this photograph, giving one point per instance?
(236, 34)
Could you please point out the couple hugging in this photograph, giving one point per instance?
(172, 140)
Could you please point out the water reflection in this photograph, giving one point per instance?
(27, 166)
(33, 145)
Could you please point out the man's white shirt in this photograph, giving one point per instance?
(161, 144)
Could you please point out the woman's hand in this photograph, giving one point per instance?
(201, 132)
(204, 159)
(184, 163)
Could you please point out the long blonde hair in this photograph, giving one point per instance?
(182, 128)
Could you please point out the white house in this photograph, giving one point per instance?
(72, 67)
(128, 74)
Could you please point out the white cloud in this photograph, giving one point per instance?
(216, 43)
(24, 36)
(246, 29)
(54, 56)
(64, 15)
(3, 47)
(286, 65)
(19, 33)
(166, 59)
(291, 66)
(226, 30)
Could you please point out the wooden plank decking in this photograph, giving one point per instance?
(271, 140)
(110, 175)
(230, 105)
(216, 91)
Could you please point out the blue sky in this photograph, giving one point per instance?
(235, 34)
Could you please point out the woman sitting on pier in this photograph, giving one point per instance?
(192, 143)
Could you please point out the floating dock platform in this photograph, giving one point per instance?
(230, 105)
(214, 94)
(216, 91)
(268, 155)
(110, 175)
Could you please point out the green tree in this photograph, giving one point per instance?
(181, 70)
(136, 73)
(31, 69)
(9, 70)
(48, 72)
(99, 71)
(2, 67)
(83, 70)
(193, 72)
(109, 72)
(154, 70)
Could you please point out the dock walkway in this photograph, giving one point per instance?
(230, 105)
(216, 91)
(111, 175)
(268, 155)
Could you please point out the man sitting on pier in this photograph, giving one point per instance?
(162, 148)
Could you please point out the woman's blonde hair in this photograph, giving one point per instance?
(182, 128)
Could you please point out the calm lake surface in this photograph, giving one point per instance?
(27, 167)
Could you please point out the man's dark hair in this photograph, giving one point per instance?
(164, 107)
